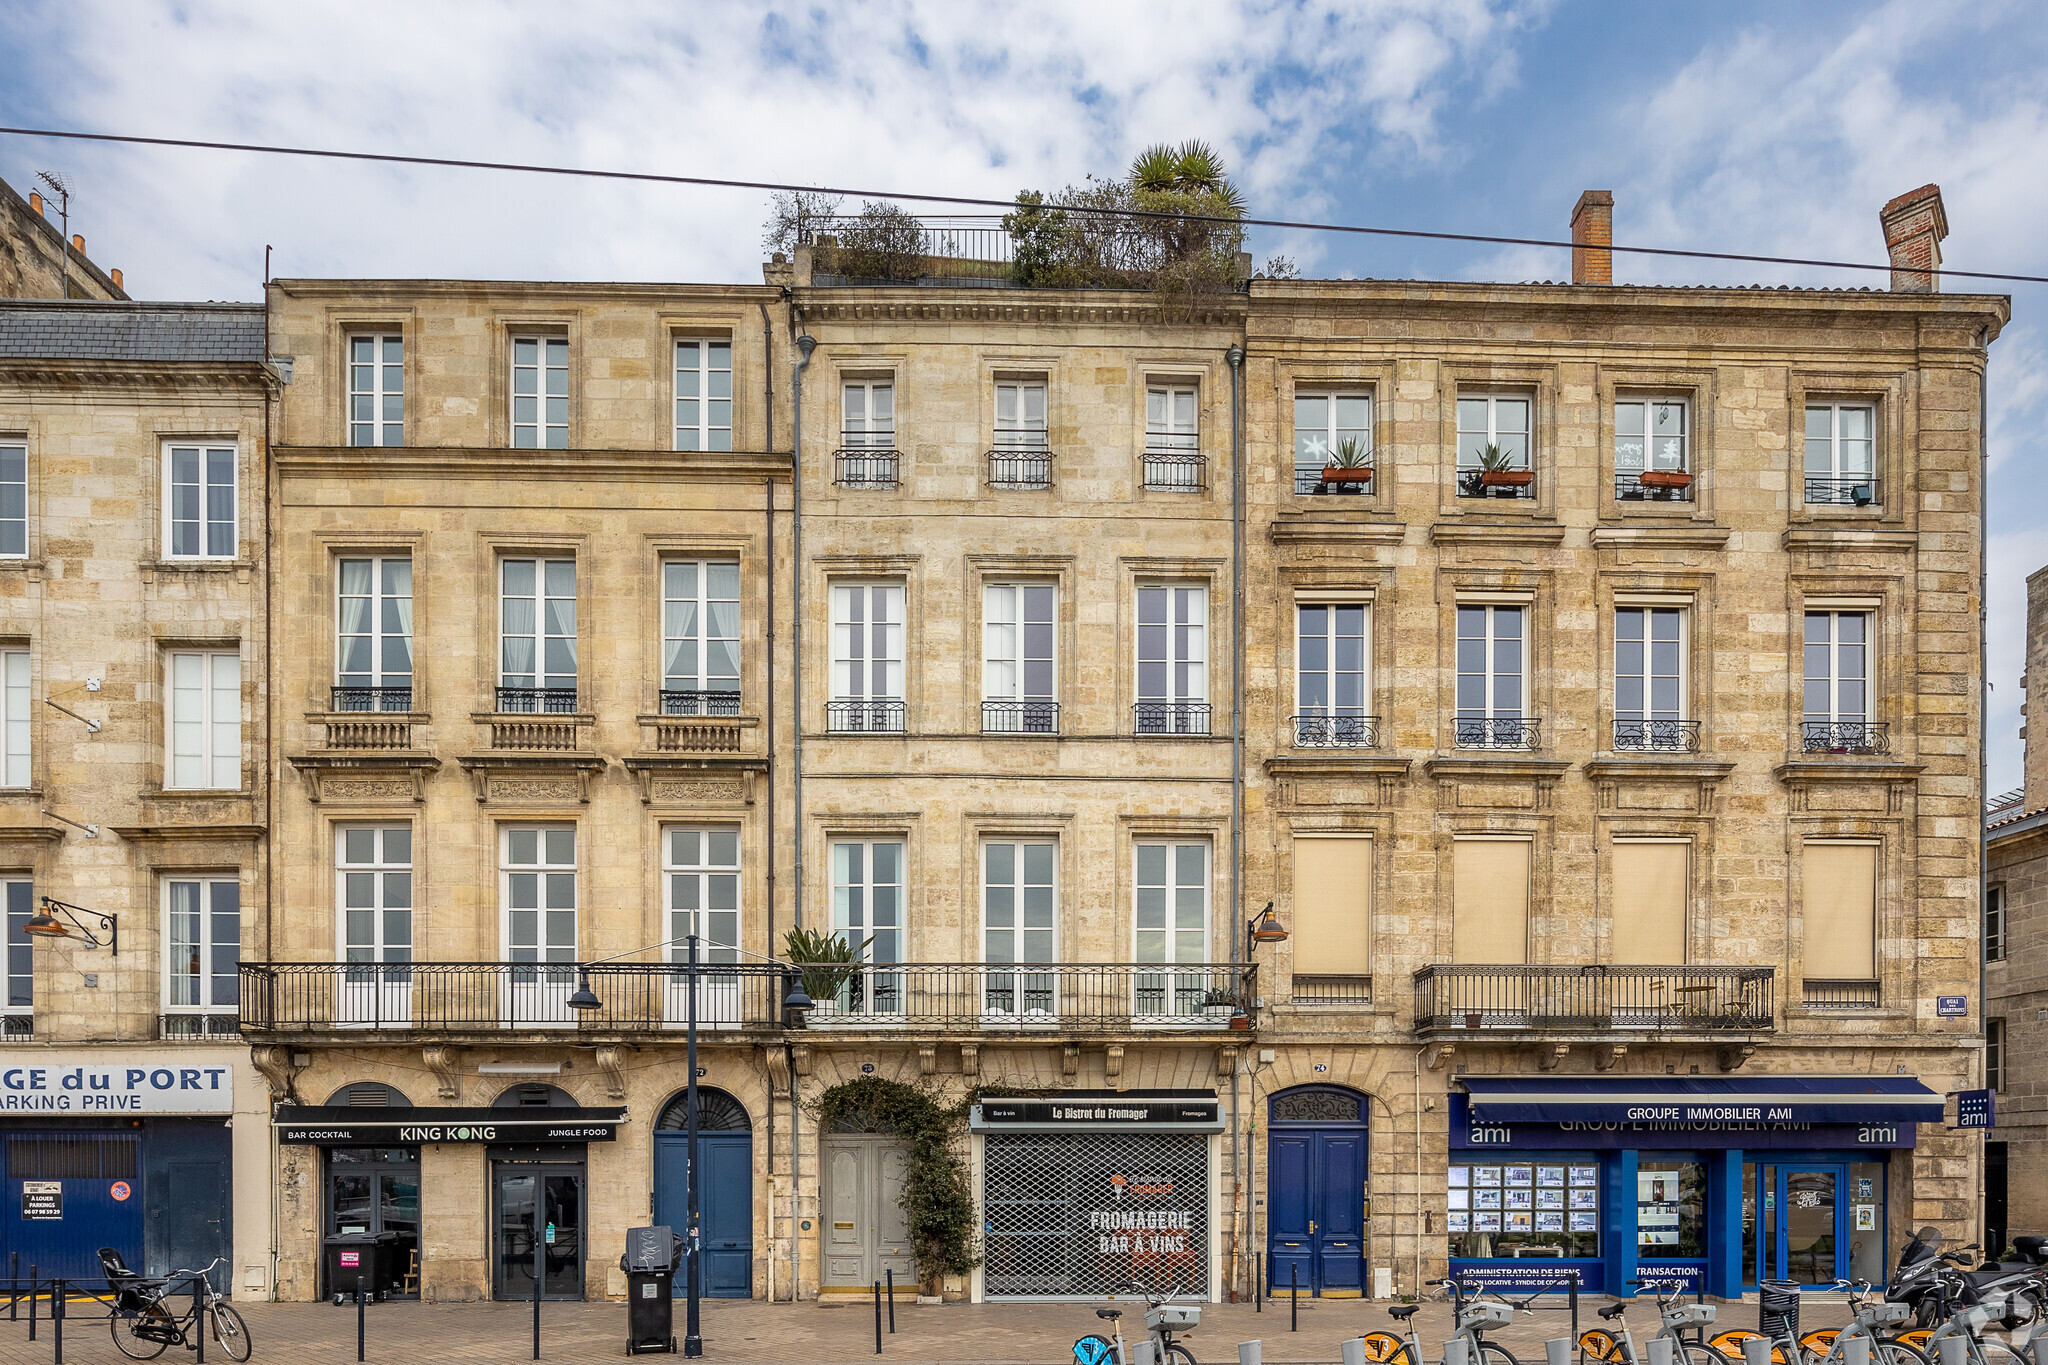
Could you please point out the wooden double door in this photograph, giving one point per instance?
(863, 1233)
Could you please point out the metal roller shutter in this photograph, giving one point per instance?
(1081, 1215)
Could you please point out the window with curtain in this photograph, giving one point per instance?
(1490, 901)
(1650, 884)
(701, 867)
(537, 634)
(14, 718)
(1018, 668)
(203, 944)
(1839, 890)
(373, 865)
(373, 627)
(700, 637)
(1173, 660)
(867, 658)
(1332, 907)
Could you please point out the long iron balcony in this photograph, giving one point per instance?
(1465, 999)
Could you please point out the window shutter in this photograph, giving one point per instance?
(1490, 920)
(1841, 912)
(1649, 903)
(1333, 907)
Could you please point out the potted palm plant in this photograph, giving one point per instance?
(1350, 463)
(1218, 1005)
(826, 962)
(1497, 469)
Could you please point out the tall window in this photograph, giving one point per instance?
(205, 721)
(1332, 917)
(1492, 681)
(701, 868)
(376, 391)
(373, 866)
(1020, 415)
(1650, 899)
(867, 657)
(1019, 685)
(1994, 924)
(700, 638)
(13, 502)
(199, 511)
(14, 709)
(1173, 661)
(1650, 433)
(1994, 1054)
(537, 635)
(540, 393)
(868, 414)
(537, 876)
(1839, 914)
(1329, 427)
(203, 945)
(868, 914)
(1172, 418)
(1837, 693)
(1490, 901)
(1841, 444)
(1490, 420)
(373, 628)
(1329, 676)
(1172, 909)
(16, 1018)
(1649, 679)
(1017, 901)
(704, 394)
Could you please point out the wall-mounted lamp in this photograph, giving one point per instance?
(45, 924)
(1264, 927)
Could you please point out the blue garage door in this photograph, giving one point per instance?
(68, 1195)
(725, 1188)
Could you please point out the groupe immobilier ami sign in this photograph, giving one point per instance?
(102, 1083)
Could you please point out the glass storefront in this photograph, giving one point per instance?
(1671, 1208)
(373, 1220)
(1513, 1208)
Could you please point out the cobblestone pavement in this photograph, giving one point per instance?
(804, 1334)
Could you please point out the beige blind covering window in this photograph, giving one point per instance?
(1840, 896)
(1490, 917)
(1333, 907)
(1649, 903)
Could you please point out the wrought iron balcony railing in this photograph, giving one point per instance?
(1663, 486)
(866, 467)
(1019, 467)
(1332, 990)
(1838, 995)
(696, 702)
(1841, 490)
(17, 1028)
(370, 699)
(540, 701)
(864, 717)
(1176, 471)
(1020, 717)
(1657, 736)
(1845, 737)
(499, 997)
(1170, 717)
(1507, 483)
(195, 1028)
(1593, 999)
(1498, 732)
(1336, 732)
(1309, 483)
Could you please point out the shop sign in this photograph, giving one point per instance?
(1526, 1277)
(1663, 1134)
(1098, 1112)
(1682, 1276)
(1976, 1109)
(42, 1200)
(92, 1084)
(341, 1126)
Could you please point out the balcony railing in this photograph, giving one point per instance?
(688, 702)
(198, 1028)
(496, 997)
(542, 701)
(1498, 732)
(1332, 990)
(1509, 483)
(1839, 995)
(368, 730)
(1019, 467)
(1309, 483)
(1020, 717)
(17, 1028)
(1663, 486)
(864, 717)
(1842, 490)
(1336, 732)
(1593, 999)
(370, 699)
(1845, 736)
(1657, 736)
(1176, 471)
(866, 467)
(1170, 717)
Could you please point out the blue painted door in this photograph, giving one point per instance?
(92, 1182)
(1316, 1211)
(725, 1193)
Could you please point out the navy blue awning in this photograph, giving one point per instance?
(1699, 1099)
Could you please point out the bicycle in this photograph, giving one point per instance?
(1163, 1317)
(1473, 1322)
(1967, 1323)
(144, 1327)
(1828, 1345)
(1607, 1348)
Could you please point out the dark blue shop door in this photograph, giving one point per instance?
(725, 1192)
(189, 1211)
(1315, 1188)
(94, 1183)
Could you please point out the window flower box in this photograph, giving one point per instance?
(1664, 478)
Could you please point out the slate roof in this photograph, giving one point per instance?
(160, 332)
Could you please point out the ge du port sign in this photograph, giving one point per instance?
(111, 1082)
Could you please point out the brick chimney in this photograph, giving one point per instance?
(35, 200)
(78, 243)
(115, 276)
(2033, 712)
(1914, 225)
(1592, 234)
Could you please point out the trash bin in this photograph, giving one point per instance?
(652, 1255)
(351, 1256)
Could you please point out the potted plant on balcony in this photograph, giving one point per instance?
(1664, 478)
(827, 963)
(1350, 463)
(1497, 469)
(1218, 1005)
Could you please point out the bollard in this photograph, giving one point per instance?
(1558, 1351)
(2040, 1348)
(540, 1271)
(1249, 1352)
(1352, 1352)
(1571, 1293)
(199, 1320)
(1294, 1298)
(1146, 1353)
(1756, 1351)
(891, 1273)
(1954, 1350)
(1457, 1351)
(31, 1302)
(14, 1286)
(1855, 1350)
(359, 1317)
(57, 1317)
(1660, 1351)
(1259, 1285)
(878, 1317)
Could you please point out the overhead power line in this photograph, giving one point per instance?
(1009, 205)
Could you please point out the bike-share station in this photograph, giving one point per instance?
(1714, 1183)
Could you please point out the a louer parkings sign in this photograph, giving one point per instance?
(89, 1085)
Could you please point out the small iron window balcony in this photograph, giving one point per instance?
(1176, 471)
(1310, 483)
(1336, 732)
(1171, 717)
(543, 701)
(1332, 990)
(1497, 483)
(1019, 467)
(171, 1027)
(370, 699)
(866, 467)
(1846, 737)
(1653, 485)
(1020, 717)
(1841, 490)
(1497, 732)
(864, 717)
(1657, 736)
(1839, 995)
(685, 702)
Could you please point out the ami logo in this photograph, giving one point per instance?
(1886, 1134)
(1491, 1135)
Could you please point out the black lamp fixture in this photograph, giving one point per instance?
(583, 998)
(46, 924)
(1264, 927)
(797, 1001)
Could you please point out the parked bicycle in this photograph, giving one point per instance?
(1683, 1324)
(144, 1325)
(1876, 1321)
(1473, 1321)
(1163, 1318)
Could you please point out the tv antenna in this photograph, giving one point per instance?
(63, 192)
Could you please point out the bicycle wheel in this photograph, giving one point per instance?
(1698, 1353)
(1384, 1348)
(153, 1319)
(1094, 1349)
(231, 1332)
(1490, 1354)
(1917, 1339)
(1180, 1353)
(1729, 1344)
(1600, 1346)
(1897, 1353)
(1815, 1345)
(1998, 1353)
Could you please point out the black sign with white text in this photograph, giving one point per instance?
(342, 1126)
(1101, 1111)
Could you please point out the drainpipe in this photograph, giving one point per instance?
(1235, 356)
(1983, 677)
(768, 548)
(1415, 1228)
(805, 344)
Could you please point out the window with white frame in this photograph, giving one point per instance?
(199, 501)
(1173, 660)
(701, 874)
(537, 887)
(540, 393)
(1841, 453)
(1172, 907)
(1330, 672)
(1649, 679)
(1837, 692)
(1019, 677)
(1330, 428)
(1994, 1054)
(1492, 683)
(1493, 420)
(1650, 435)
(868, 413)
(869, 915)
(14, 718)
(1172, 419)
(1017, 900)
(373, 633)
(1020, 414)
(205, 720)
(867, 657)
(21, 957)
(700, 637)
(537, 635)
(376, 390)
(374, 887)
(1994, 924)
(704, 394)
(202, 944)
(13, 501)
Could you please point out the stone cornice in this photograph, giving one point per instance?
(1849, 538)
(1531, 769)
(1076, 307)
(375, 462)
(1321, 765)
(1301, 531)
(1850, 771)
(356, 775)
(1540, 533)
(1663, 537)
(161, 834)
(1658, 769)
(135, 374)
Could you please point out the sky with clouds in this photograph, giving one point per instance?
(1757, 127)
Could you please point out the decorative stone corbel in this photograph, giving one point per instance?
(275, 1065)
(614, 1075)
(1070, 1060)
(927, 1059)
(776, 1058)
(970, 1059)
(445, 1065)
(1732, 1055)
(1439, 1055)
(1226, 1061)
(1549, 1055)
(800, 1058)
(1608, 1056)
(1113, 1060)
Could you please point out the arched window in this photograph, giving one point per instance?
(370, 1095)
(1319, 1104)
(535, 1097)
(717, 1112)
